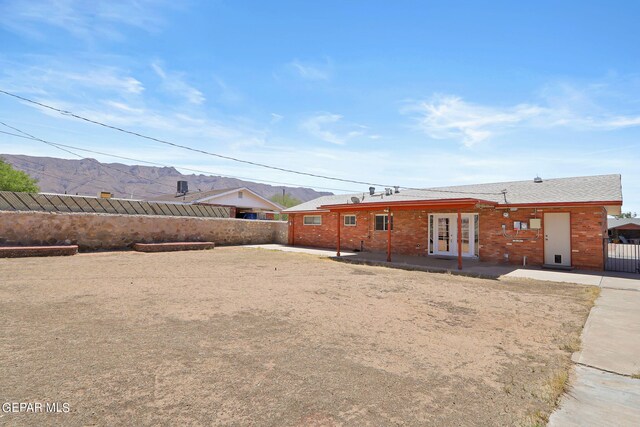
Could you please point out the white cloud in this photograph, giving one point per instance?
(621, 122)
(311, 71)
(68, 78)
(174, 83)
(164, 123)
(123, 107)
(331, 128)
(451, 117)
(226, 94)
(107, 79)
(82, 19)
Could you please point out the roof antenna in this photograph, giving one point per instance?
(504, 194)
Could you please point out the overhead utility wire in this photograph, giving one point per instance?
(68, 179)
(185, 147)
(172, 166)
(81, 157)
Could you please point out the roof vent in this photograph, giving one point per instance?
(388, 191)
(396, 189)
(537, 180)
(372, 191)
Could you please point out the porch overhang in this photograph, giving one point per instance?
(457, 205)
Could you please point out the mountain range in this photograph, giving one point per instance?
(89, 177)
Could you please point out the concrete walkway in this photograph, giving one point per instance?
(602, 391)
(600, 399)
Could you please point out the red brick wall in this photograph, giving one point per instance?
(410, 234)
(588, 228)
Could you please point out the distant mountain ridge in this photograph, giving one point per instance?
(89, 176)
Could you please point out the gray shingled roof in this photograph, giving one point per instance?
(190, 196)
(557, 190)
(617, 222)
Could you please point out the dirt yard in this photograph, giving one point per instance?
(238, 336)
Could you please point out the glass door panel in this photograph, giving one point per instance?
(444, 234)
(444, 237)
(466, 247)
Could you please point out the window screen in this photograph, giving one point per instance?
(312, 220)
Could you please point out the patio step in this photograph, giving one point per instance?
(173, 246)
(29, 251)
(557, 267)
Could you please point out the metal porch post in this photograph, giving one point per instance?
(459, 240)
(293, 229)
(389, 234)
(338, 242)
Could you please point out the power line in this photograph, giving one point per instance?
(67, 178)
(81, 157)
(172, 166)
(185, 147)
(196, 150)
(91, 179)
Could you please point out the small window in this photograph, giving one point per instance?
(350, 220)
(382, 222)
(240, 195)
(312, 220)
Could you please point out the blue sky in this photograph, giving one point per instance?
(410, 93)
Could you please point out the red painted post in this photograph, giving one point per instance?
(389, 234)
(293, 229)
(459, 240)
(338, 242)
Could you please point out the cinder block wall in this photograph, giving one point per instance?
(104, 231)
(410, 234)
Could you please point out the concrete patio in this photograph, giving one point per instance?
(470, 267)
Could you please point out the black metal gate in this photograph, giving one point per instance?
(622, 257)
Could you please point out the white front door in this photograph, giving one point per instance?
(557, 239)
(444, 235)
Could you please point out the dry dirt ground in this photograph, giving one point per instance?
(237, 336)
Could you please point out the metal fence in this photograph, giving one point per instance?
(13, 201)
(622, 257)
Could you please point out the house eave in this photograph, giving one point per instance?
(559, 204)
(410, 204)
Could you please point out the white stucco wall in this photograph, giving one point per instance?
(247, 201)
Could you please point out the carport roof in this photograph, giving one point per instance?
(621, 222)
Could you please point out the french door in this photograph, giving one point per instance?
(444, 234)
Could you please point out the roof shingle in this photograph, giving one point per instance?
(598, 188)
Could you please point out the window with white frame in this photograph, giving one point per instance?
(312, 220)
(382, 222)
(350, 220)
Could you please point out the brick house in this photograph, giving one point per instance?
(552, 222)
